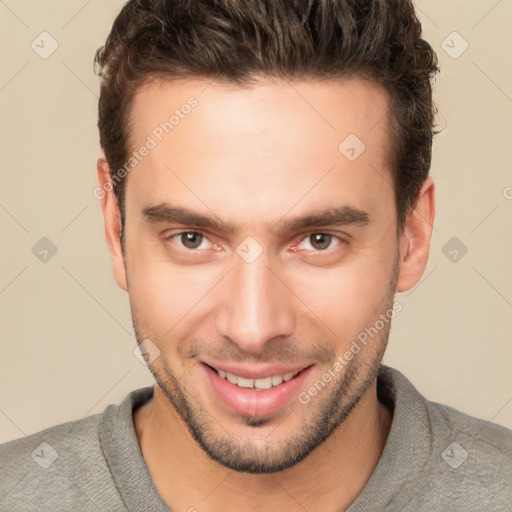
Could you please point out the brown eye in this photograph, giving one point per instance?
(191, 240)
(320, 241)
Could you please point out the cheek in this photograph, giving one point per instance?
(165, 297)
(345, 300)
(176, 301)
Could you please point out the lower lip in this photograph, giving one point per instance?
(251, 402)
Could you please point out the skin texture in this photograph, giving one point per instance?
(254, 158)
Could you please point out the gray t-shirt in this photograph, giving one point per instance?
(435, 459)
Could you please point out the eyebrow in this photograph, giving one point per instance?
(342, 215)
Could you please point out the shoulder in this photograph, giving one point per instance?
(471, 460)
(59, 468)
(437, 456)
(466, 460)
(80, 431)
(480, 447)
(442, 422)
(493, 438)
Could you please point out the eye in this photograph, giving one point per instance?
(190, 239)
(319, 241)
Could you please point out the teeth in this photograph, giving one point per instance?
(278, 379)
(243, 383)
(266, 383)
(231, 378)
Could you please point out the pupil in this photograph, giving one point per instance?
(321, 240)
(191, 240)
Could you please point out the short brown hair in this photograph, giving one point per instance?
(239, 40)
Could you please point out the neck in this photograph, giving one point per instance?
(329, 478)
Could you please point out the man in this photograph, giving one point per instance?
(265, 193)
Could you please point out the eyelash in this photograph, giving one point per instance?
(314, 252)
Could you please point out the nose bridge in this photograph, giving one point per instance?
(254, 307)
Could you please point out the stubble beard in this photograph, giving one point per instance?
(275, 452)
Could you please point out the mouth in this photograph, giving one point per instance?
(256, 384)
(256, 396)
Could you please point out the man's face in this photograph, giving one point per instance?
(271, 295)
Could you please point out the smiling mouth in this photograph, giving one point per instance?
(260, 384)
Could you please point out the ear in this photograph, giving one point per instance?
(414, 244)
(112, 219)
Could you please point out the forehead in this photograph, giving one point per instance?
(262, 146)
(282, 115)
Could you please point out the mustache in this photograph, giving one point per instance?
(280, 351)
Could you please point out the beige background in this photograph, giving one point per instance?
(67, 342)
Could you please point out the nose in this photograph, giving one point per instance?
(255, 305)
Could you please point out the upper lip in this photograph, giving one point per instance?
(261, 371)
